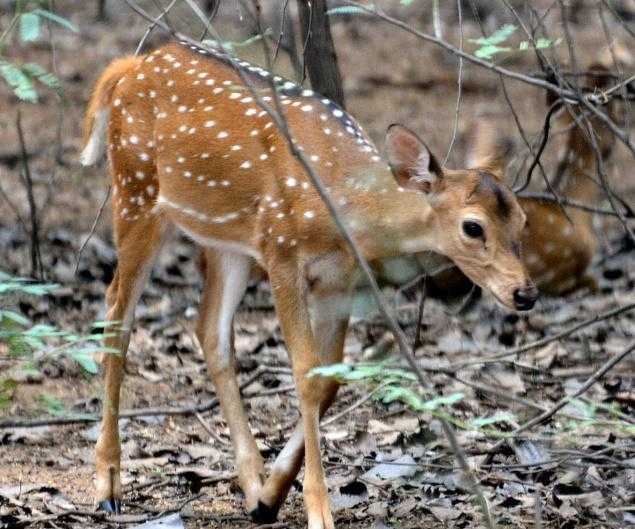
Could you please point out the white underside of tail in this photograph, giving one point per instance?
(95, 147)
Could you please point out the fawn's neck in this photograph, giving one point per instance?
(398, 222)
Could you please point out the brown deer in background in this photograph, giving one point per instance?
(557, 249)
(190, 148)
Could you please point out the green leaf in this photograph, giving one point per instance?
(447, 400)
(20, 83)
(19, 284)
(347, 10)
(364, 372)
(412, 399)
(56, 18)
(104, 324)
(85, 359)
(46, 78)
(543, 43)
(14, 317)
(337, 371)
(487, 52)
(500, 35)
(29, 27)
(402, 394)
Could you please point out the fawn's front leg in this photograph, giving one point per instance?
(329, 317)
(290, 290)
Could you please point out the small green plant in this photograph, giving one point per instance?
(392, 383)
(25, 345)
(23, 78)
(489, 46)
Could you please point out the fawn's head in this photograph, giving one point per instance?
(475, 218)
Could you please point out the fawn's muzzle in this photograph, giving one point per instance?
(525, 298)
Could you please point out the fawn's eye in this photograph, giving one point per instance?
(472, 229)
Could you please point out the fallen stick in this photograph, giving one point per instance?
(145, 412)
(607, 366)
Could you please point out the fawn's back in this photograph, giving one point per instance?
(188, 136)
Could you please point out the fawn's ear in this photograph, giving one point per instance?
(411, 161)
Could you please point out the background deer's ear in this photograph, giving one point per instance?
(411, 161)
(489, 149)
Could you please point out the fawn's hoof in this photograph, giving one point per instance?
(263, 514)
(112, 505)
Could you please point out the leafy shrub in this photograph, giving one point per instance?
(23, 78)
(26, 345)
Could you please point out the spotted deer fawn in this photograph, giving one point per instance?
(558, 247)
(189, 147)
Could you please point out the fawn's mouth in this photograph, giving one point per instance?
(506, 304)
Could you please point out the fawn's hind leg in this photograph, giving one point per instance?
(226, 277)
(138, 244)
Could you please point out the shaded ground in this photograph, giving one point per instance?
(577, 470)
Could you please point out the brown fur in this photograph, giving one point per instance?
(189, 147)
(556, 251)
(104, 88)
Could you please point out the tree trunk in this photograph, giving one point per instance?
(320, 59)
(101, 11)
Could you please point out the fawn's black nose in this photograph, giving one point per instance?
(525, 298)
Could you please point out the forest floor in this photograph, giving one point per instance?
(386, 466)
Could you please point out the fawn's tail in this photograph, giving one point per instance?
(98, 111)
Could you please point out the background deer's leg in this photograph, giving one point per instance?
(138, 244)
(226, 277)
(329, 315)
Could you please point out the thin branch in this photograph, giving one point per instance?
(457, 111)
(278, 44)
(141, 412)
(152, 26)
(573, 204)
(543, 143)
(548, 339)
(467, 56)
(546, 415)
(353, 406)
(36, 258)
(569, 96)
(211, 431)
(92, 229)
(508, 100)
(605, 185)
